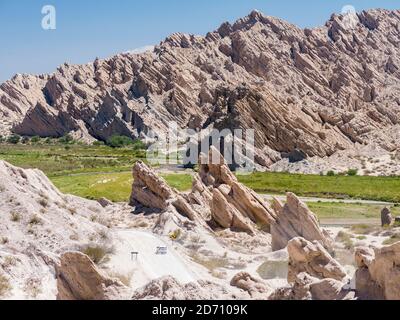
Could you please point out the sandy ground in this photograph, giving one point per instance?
(148, 265)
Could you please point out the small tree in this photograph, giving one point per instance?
(139, 145)
(331, 173)
(352, 172)
(35, 139)
(66, 139)
(117, 141)
(14, 139)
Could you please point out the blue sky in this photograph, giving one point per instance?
(87, 29)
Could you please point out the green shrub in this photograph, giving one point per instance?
(35, 139)
(15, 216)
(116, 141)
(331, 173)
(396, 224)
(352, 172)
(25, 140)
(97, 253)
(98, 143)
(175, 235)
(14, 139)
(35, 220)
(139, 145)
(66, 139)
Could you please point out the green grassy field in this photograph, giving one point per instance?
(100, 171)
(115, 186)
(338, 187)
(58, 159)
(334, 210)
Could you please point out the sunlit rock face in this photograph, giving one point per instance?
(315, 90)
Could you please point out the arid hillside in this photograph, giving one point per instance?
(317, 90)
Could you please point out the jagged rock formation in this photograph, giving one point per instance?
(79, 279)
(312, 258)
(217, 197)
(377, 276)
(151, 191)
(313, 274)
(294, 219)
(232, 205)
(37, 224)
(306, 287)
(167, 288)
(343, 88)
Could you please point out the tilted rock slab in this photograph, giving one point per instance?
(295, 219)
(232, 205)
(152, 191)
(343, 88)
(39, 223)
(216, 197)
(78, 278)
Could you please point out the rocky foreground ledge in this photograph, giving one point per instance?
(47, 239)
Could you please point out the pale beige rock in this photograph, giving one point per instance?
(167, 288)
(377, 276)
(255, 287)
(306, 287)
(79, 279)
(221, 210)
(216, 195)
(153, 192)
(294, 219)
(149, 189)
(343, 87)
(39, 223)
(312, 258)
(232, 204)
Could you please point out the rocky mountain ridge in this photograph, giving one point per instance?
(318, 90)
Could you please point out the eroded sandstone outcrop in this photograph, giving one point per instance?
(294, 219)
(216, 197)
(232, 205)
(306, 287)
(378, 276)
(343, 88)
(168, 288)
(78, 278)
(314, 259)
(37, 223)
(255, 287)
(313, 274)
(151, 191)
